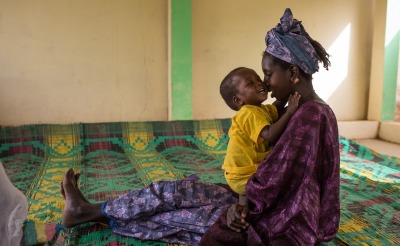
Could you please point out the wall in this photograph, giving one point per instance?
(94, 61)
(231, 34)
(82, 61)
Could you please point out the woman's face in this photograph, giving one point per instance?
(277, 79)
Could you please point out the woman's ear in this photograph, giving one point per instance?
(294, 73)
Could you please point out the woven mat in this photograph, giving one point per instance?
(114, 158)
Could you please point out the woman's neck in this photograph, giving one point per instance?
(306, 96)
(307, 93)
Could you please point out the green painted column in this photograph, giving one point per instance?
(181, 59)
(392, 42)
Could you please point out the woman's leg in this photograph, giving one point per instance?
(77, 209)
(173, 211)
(159, 197)
(171, 197)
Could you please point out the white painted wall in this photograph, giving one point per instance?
(228, 34)
(100, 61)
(82, 61)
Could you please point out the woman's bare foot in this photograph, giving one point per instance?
(77, 175)
(77, 210)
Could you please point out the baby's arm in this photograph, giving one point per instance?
(280, 106)
(272, 132)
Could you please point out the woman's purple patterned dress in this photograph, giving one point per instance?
(170, 211)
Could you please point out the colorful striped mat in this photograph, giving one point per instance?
(116, 157)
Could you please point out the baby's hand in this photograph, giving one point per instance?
(293, 103)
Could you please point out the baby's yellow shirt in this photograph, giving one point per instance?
(246, 149)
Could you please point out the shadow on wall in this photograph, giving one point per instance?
(334, 83)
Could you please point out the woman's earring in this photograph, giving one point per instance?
(296, 80)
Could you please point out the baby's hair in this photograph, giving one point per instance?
(228, 90)
(323, 56)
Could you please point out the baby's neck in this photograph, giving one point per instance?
(250, 105)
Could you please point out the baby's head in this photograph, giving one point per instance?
(243, 86)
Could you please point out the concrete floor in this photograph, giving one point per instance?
(381, 146)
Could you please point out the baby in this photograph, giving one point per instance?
(254, 125)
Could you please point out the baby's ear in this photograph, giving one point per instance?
(236, 100)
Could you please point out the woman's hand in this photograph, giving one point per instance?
(236, 217)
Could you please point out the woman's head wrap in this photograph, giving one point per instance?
(288, 41)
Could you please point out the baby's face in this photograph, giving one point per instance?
(249, 86)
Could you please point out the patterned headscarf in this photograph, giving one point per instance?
(287, 41)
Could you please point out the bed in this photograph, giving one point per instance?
(114, 158)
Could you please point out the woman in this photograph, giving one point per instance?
(294, 195)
